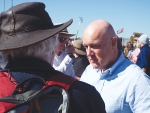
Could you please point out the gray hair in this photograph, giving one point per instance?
(42, 50)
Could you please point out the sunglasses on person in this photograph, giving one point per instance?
(62, 39)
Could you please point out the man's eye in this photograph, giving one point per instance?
(95, 46)
(86, 46)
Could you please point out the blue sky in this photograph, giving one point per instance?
(132, 15)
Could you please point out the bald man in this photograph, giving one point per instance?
(124, 87)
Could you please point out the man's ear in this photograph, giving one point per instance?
(114, 42)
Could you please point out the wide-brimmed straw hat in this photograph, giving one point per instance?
(79, 48)
(64, 31)
(26, 24)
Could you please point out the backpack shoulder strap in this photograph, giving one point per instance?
(61, 79)
(6, 89)
(6, 86)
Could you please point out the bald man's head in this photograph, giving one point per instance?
(101, 27)
(101, 44)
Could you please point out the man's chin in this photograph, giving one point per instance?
(95, 65)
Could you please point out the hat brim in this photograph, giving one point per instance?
(80, 52)
(28, 38)
(68, 34)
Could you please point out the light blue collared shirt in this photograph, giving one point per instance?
(124, 87)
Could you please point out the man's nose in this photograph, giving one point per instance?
(89, 51)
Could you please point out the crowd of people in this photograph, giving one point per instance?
(139, 52)
(105, 80)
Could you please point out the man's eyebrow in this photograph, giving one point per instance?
(93, 43)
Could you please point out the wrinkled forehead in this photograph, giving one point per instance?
(93, 37)
(88, 41)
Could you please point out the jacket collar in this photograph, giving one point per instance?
(32, 66)
(21, 64)
(146, 45)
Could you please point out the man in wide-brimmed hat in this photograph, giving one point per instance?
(63, 60)
(27, 43)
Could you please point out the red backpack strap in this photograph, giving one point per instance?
(6, 89)
(62, 80)
(6, 86)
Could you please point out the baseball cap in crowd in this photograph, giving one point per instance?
(144, 39)
(79, 48)
(26, 24)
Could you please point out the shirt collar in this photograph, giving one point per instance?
(113, 68)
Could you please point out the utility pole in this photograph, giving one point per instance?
(12, 3)
(4, 5)
(81, 20)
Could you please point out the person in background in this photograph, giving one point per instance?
(130, 53)
(63, 60)
(126, 50)
(123, 47)
(144, 52)
(119, 45)
(124, 87)
(27, 51)
(80, 60)
(136, 53)
(129, 46)
(135, 44)
(70, 41)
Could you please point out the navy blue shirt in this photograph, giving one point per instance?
(79, 64)
(142, 57)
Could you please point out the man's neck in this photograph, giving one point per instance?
(115, 58)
